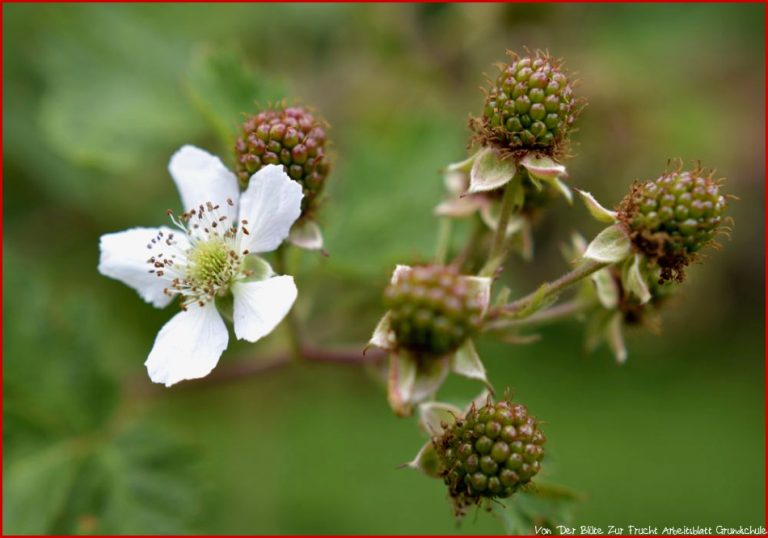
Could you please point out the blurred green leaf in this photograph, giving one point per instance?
(54, 384)
(224, 89)
(141, 482)
(112, 91)
(112, 122)
(147, 485)
(36, 487)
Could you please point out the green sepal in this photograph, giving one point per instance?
(612, 245)
(427, 461)
(258, 268)
(489, 172)
(635, 280)
(225, 304)
(466, 362)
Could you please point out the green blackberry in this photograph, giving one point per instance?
(529, 108)
(671, 218)
(291, 136)
(490, 453)
(431, 310)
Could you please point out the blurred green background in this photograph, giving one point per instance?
(96, 99)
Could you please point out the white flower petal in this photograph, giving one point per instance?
(201, 177)
(123, 256)
(188, 346)
(260, 306)
(270, 205)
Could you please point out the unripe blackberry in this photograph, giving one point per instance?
(530, 107)
(673, 217)
(490, 453)
(432, 311)
(290, 136)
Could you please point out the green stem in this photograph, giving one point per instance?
(526, 306)
(443, 240)
(499, 246)
(542, 317)
(292, 320)
(475, 239)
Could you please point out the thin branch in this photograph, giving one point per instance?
(499, 247)
(443, 240)
(238, 370)
(527, 305)
(291, 319)
(473, 242)
(549, 315)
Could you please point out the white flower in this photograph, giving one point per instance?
(209, 262)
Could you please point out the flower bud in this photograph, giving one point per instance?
(673, 217)
(291, 136)
(432, 310)
(490, 453)
(529, 108)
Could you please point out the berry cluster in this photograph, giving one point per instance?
(530, 107)
(432, 311)
(490, 452)
(673, 217)
(289, 136)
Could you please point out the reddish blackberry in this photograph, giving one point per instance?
(291, 136)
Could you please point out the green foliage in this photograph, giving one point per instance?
(72, 467)
(128, 106)
(224, 89)
(136, 482)
(75, 396)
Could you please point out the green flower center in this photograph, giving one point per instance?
(210, 263)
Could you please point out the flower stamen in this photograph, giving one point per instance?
(212, 261)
